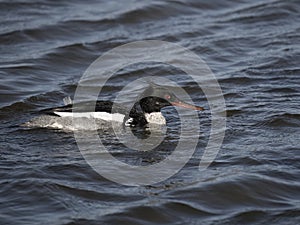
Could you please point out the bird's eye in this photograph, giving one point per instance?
(167, 96)
(157, 103)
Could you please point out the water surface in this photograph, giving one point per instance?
(251, 46)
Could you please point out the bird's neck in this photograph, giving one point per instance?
(138, 117)
(155, 118)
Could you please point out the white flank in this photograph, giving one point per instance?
(155, 117)
(98, 115)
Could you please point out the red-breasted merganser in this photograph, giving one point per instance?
(146, 110)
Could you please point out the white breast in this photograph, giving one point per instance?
(98, 115)
(155, 117)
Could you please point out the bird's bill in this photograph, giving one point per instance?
(186, 105)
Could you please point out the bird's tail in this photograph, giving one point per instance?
(67, 100)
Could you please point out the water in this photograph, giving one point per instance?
(251, 46)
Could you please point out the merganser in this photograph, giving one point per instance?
(146, 110)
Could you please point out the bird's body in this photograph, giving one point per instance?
(108, 111)
(147, 110)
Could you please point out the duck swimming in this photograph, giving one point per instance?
(147, 110)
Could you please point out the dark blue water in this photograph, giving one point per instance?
(252, 47)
